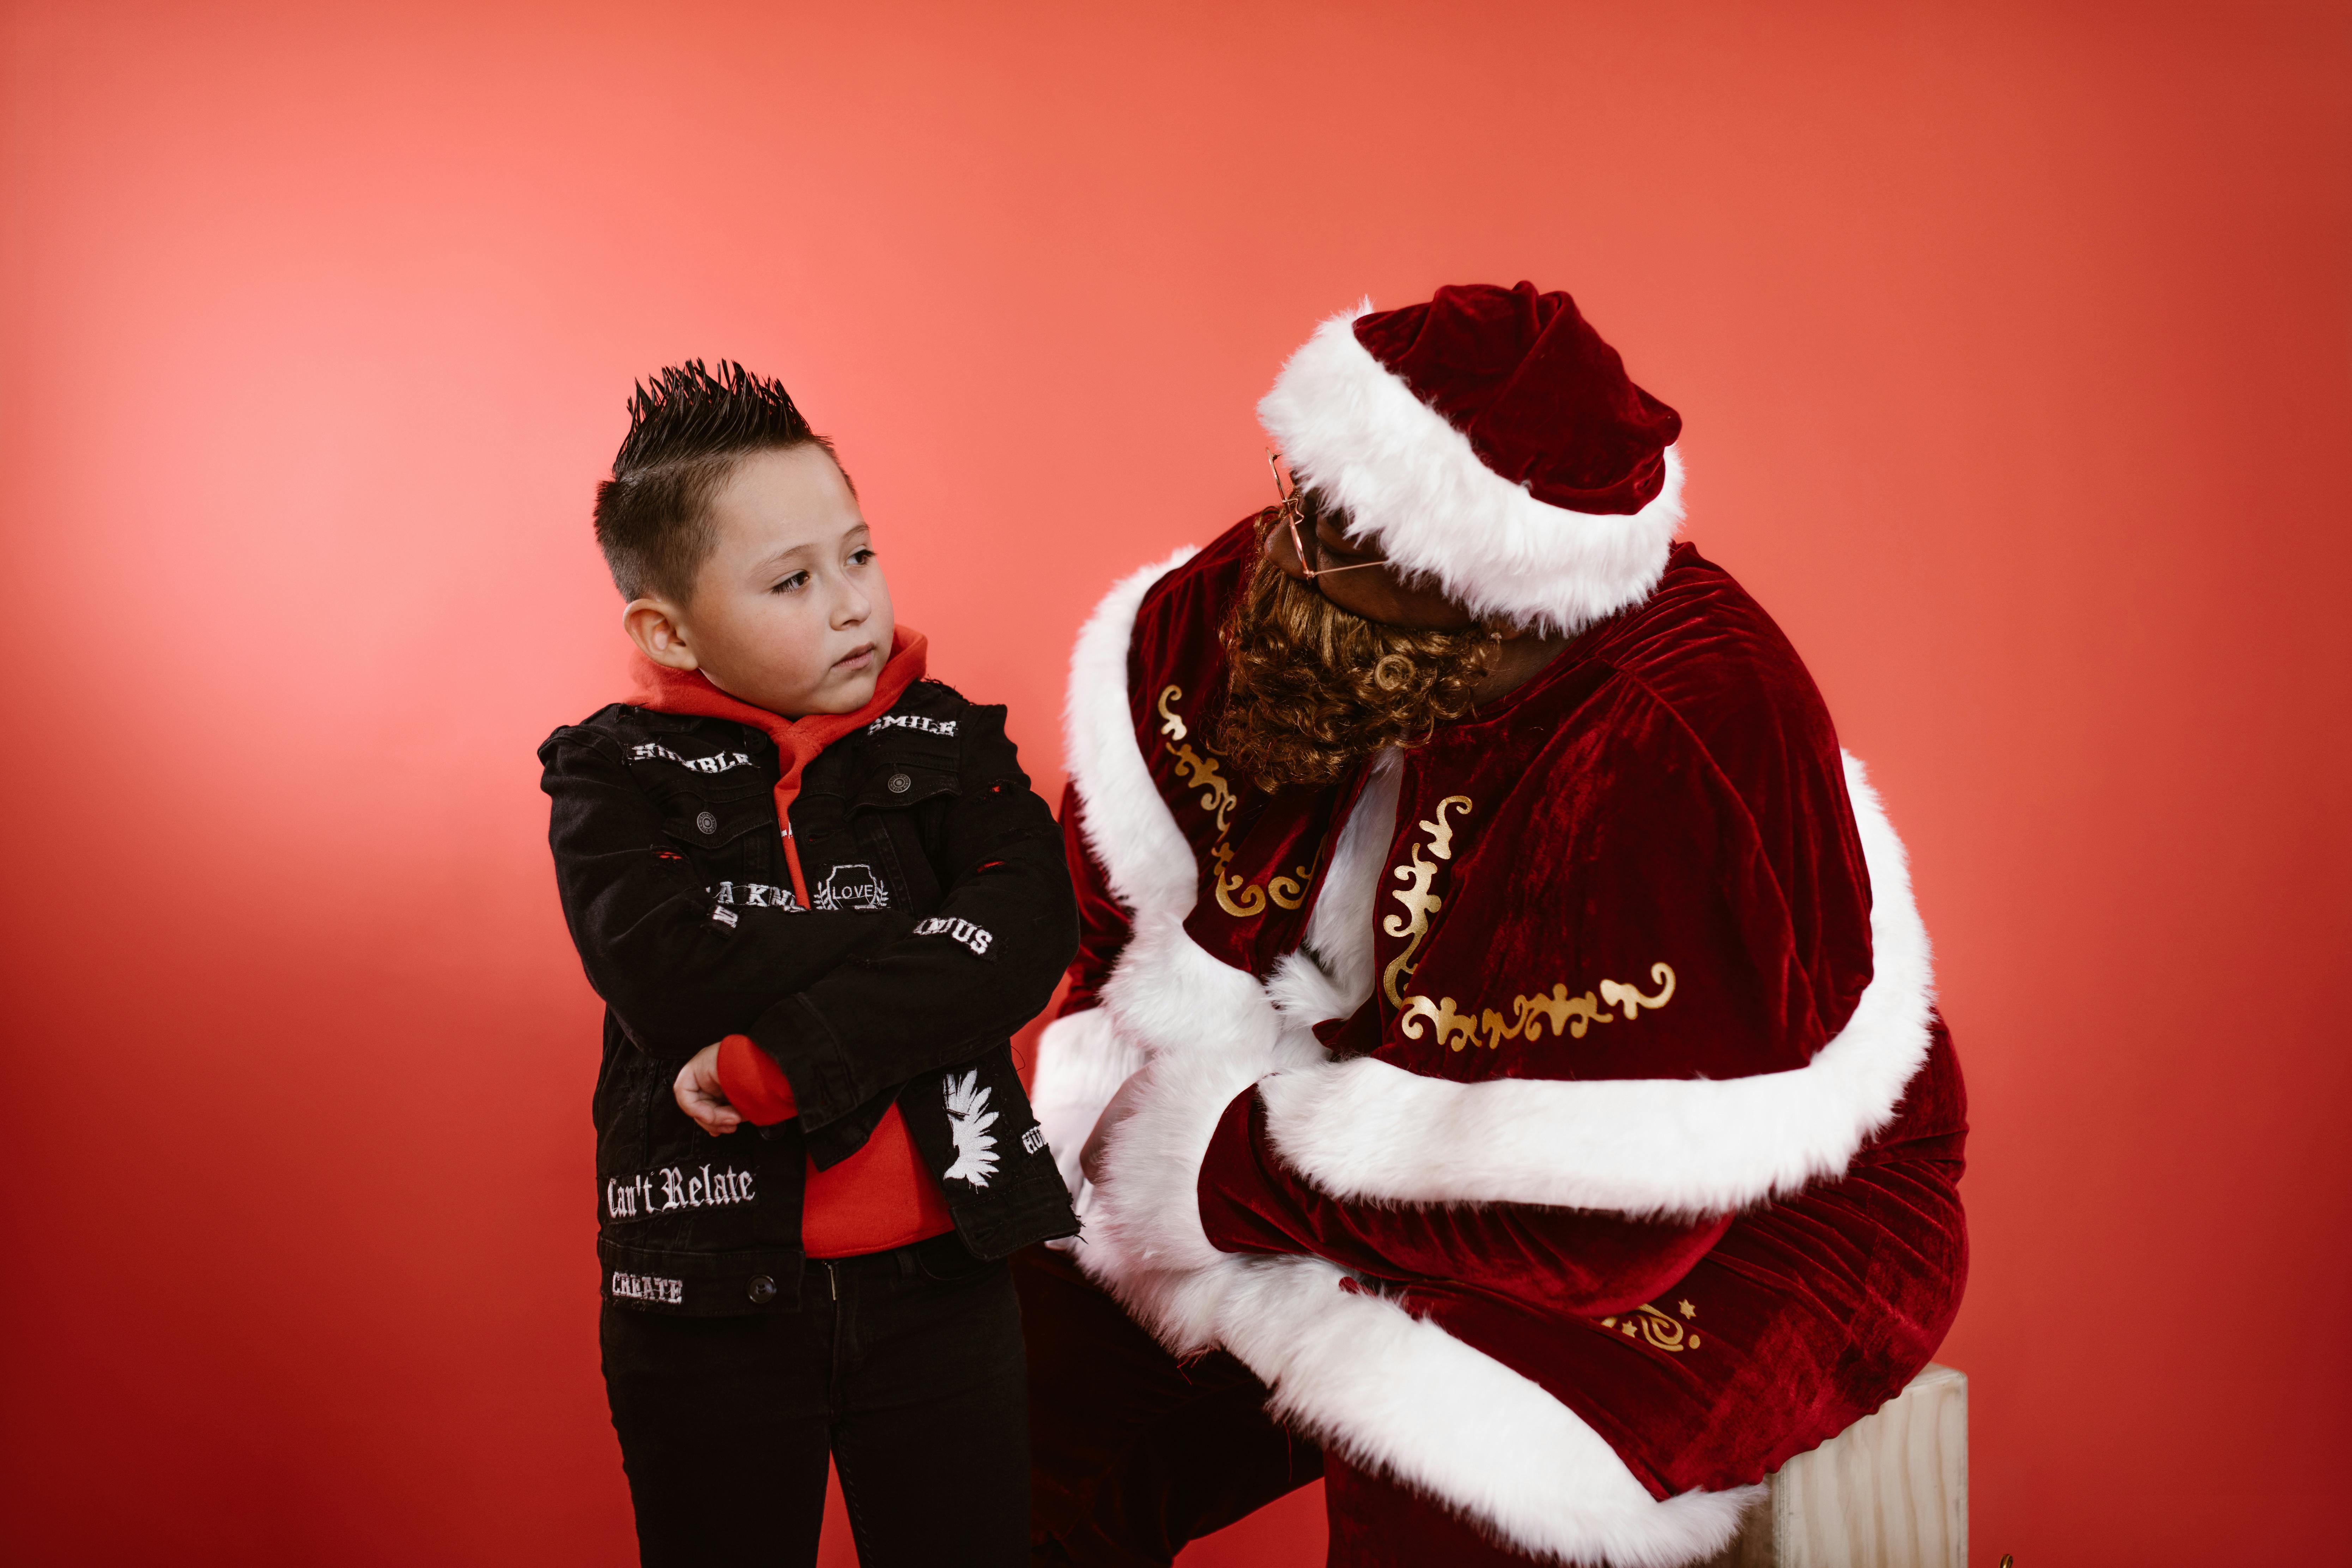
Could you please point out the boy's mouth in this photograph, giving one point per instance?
(854, 662)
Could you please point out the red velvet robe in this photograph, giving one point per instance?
(1599, 1150)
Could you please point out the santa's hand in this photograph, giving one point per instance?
(699, 1096)
(1123, 1104)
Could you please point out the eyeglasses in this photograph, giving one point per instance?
(1293, 510)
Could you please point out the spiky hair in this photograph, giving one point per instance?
(686, 431)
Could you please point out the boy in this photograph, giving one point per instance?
(816, 894)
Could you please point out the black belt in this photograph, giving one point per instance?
(942, 1256)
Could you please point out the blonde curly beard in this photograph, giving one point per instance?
(1312, 689)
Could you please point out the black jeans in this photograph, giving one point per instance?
(906, 1366)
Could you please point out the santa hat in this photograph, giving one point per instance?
(1490, 441)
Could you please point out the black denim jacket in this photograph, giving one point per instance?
(943, 918)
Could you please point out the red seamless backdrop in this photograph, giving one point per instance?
(2013, 346)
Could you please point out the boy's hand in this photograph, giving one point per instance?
(699, 1096)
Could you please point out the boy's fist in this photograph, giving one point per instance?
(699, 1096)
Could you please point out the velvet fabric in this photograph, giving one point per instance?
(1544, 402)
(1708, 1354)
(1643, 864)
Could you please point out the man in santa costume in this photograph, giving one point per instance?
(1502, 1072)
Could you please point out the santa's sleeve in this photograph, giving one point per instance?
(1717, 995)
(1081, 1062)
(1581, 1263)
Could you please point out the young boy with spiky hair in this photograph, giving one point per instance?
(817, 896)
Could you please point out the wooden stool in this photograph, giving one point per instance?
(1889, 1491)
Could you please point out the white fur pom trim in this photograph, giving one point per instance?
(1127, 824)
(1081, 1062)
(1401, 1395)
(1365, 1130)
(1413, 483)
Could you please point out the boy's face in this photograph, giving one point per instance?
(790, 610)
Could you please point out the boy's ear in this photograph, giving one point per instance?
(654, 625)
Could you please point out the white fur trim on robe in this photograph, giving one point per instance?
(1412, 483)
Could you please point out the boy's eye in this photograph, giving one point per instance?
(861, 555)
(797, 580)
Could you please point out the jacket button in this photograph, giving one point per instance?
(899, 784)
(706, 823)
(763, 1289)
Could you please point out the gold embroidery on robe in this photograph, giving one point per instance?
(1616, 995)
(1196, 770)
(1569, 1016)
(1655, 1328)
(1419, 903)
(1290, 891)
(1171, 725)
(1253, 899)
(1235, 894)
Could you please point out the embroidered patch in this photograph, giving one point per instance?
(968, 1119)
(1033, 1140)
(648, 1287)
(721, 916)
(1569, 1016)
(850, 888)
(755, 896)
(659, 1192)
(912, 722)
(1655, 1328)
(718, 762)
(973, 937)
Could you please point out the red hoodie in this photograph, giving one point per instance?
(882, 1196)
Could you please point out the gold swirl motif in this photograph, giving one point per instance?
(1419, 903)
(1455, 1029)
(1201, 773)
(1198, 770)
(1169, 724)
(1616, 994)
(1252, 899)
(1655, 1328)
(1569, 1016)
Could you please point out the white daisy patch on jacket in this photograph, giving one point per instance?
(968, 1119)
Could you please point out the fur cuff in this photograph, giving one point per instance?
(1081, 1062)
(1144, 1240)
(1401, 1395)
(1413, 484)
(1365, 1130)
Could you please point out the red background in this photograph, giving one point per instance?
(2013, 346)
